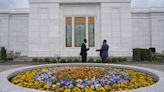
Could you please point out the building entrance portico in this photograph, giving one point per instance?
(79, 21)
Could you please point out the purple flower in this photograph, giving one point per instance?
(66, 82)
(48, 81)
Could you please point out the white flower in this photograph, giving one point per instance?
(79, 81)
(70, 86)
(58, 83)
(96, 85)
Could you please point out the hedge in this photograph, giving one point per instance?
(116, 59)
(3, 53)
(140, 54)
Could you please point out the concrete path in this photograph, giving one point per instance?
(159, 67)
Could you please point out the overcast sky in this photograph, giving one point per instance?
(135, 3)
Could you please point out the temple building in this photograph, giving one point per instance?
(57, 27)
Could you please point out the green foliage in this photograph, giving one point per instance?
(110, 60)
(76, 60)
(10, 55)
(63, 61)
(40, 60)
(158, 57)
(124, 59)
(142, 54)
(47, 60)
(3, 54)
(116, 59)
(91, 60)
(69, 60)
(35, 60)
(44, 60)
(53, 60)
(98, 61)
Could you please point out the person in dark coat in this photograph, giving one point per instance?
(84, 50)
(104, 51)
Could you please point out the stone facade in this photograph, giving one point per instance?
(47, 26)
(14, 27)
(40, 32)
(148, 28)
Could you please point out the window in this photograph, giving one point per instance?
(68, 32)
(91, 31)
(79, 30)
(78, 33)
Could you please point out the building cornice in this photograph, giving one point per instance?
(80, 1)
(150, 10)
(14, 11)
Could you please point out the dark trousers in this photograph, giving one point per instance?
(104, 59)
(84, 58)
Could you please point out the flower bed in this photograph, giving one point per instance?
(83, 79)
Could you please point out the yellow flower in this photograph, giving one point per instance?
(76, 89)
(54, 86)
(59, 89)
(67, 90)
(106, 87)
(47, 86)
(88, 90)
(138, 79)
(101, 89)
(119, 89)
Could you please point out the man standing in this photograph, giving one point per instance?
(84, 50)
(104, 51)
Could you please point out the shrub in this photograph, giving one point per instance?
(110, 60)
(116, 59)
(35, 60)
(0, 53)
(10, 55)
(3, 54)
(62, 61)
(136, 54)
(40, 60)
(76, 60)
(47, 60)
(158, 57)
(69, 61)
(120, 59)
(98, 60)
(91, 60)
(124, 59)
(142, 54)
(53, 60)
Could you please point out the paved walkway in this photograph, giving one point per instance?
(159, 67)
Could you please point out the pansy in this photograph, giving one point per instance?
(83, 79)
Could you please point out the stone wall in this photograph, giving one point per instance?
(44, 29)
(47, 37)
(41, 32)
(14, 27)
(4, 27)
(116, 27)
(148, 28)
